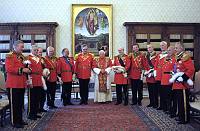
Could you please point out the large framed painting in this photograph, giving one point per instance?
(92, 25)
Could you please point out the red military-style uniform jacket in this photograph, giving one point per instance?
(51, 64)
(152, 57)
(119, 77)
(102, 63)
(137, 60)
(159, 64)
(14, 65)
(36, 70)
(183, 64)
(66, 68)
(167, 70)
(83, 65)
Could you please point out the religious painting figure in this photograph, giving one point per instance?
(92, 21)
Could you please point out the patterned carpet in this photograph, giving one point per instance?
(103, 117)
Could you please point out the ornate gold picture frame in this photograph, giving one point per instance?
(92, 25)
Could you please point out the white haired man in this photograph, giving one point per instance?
(16, 83)
(102, 68)
(51, 64)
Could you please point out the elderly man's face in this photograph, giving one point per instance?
(19, 48)
(39, 52)
(34, 51)
(150, 48)
(121, 51)
(135, 48)
(163, 46)
(102, 54)
(178, 48)
(51, 52)
(66, 52)
(85, 49)
(170, 51)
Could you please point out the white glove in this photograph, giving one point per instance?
(44, 83)
(179, 79)
(154, 73)
(46, 72)
(146, 73)
(150, 75)
(60, 80)
(97, 70)
(108, 70)
(190, 82)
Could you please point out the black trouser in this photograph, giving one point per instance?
(153, 94)
(167, 97)
(16, 100)
(119, 93)
(160, 93)
(51, 91)
(137, 88)
(174, 103)
(34, 100)
(66, 92)
(183, 104)
(42, 99)
(84, 88)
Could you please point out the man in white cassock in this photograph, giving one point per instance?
(102, 76)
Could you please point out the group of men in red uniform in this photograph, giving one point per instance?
(173, 94)
(158, 69)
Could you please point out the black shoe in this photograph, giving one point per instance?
(24, 123)
(182, 122)
(53, 106)
(159, 108)
(18, 126)
(38, 116)
(85, 103)
(70, 103)
(117, 103)
(155, 106)
(172, 116)
(139, 104)
(43, 110)
(32, 118)
(125, 104)
(149, 105)
(177, 119)
(81, 103)
(134, 104)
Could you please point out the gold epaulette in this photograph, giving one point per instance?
(130, 55)
(143, 53)
(9, 55)
(76, 56)
(54, 58)
(115, 57)
(186, 56)
(96, 57)
(91, 55)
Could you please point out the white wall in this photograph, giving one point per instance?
(123, 11)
